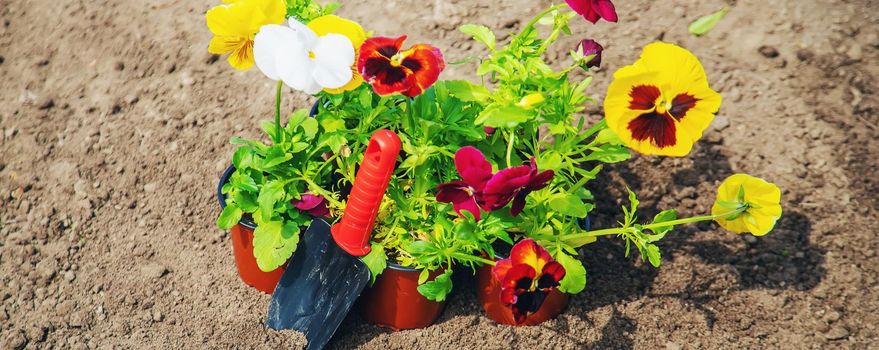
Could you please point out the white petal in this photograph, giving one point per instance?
(334, 56)
(307, 36)
(312, 88)
(266, 44)
(295, 68)
(332, 76)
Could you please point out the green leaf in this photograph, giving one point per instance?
(230, 216)
(609, 153)
(653, 254)
(607, 136)
(706, 23)
(550, 160)
(274, 243)
(376, 261)
(569, 204)
(244, 182)
(663, 216)
(270, 194)
(331, 124)
(334, 141)
(467, 91)
(575, 274)
(480, 33)
(465, 230)
(437, 289)
(245, 200)
(274, 157)
(309, 127)
(507, 116)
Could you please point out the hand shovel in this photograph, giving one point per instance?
(325, 275)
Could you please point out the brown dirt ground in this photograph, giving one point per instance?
(115, 124)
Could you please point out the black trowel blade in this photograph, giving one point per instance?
(318, 288)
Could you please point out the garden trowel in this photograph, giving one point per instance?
(325, 275)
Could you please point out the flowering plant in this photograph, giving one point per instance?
(505, 161)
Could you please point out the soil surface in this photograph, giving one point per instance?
(114, 128)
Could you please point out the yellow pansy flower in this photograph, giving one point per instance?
(662, 103)
(331, 24)
(752, 202)
(531, 100)
(235, 24)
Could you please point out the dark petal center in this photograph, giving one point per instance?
(523, 283)
(681, 104)
(643, 97)
(388, 51)
(546, 282)
(412, 64)
(530, 302)
(659, 128)
(382, 70)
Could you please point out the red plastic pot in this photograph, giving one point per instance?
(394, 302)
(242, 248)
(488, 290)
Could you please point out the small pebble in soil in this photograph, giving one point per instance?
(153, 270)
(768, 51)
(46, 104)
(805, 54)
(211, 59)
(837, 333)
(2, 59)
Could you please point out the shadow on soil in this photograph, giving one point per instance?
(782, 260)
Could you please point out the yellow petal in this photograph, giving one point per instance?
(242, 57)
(224, 20)
(225, 44)
(324, 25)
(758, 220)
(245, 17)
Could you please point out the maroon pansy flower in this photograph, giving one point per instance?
(593, 10)
(591, 47)
(312, 204)
(514, 184)
(466, 194)
(526, 278)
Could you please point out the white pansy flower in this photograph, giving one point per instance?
(303, 60)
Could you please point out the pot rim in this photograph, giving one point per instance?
(222, 197)
(398, 267)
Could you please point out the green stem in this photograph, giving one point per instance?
(541, 15)
(410, 117)
(279, 136)
(512, 139)
(621, 230)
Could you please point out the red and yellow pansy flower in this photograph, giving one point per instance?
(389, 69)
(527, 277)
(661, 104)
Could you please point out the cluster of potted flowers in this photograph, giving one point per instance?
(493, 177)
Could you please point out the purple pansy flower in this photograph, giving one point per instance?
(515, 184)
(312, 204)
(593, 10)
(591, 47)
(466, 194)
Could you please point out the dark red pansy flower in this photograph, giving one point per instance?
(593, 10)
(526, 278)
(489, 130)
(514, 184)
(391, 70)
(591, 47)
(312, 204)
(466, 194)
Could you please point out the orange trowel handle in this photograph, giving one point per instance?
(353, 231)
